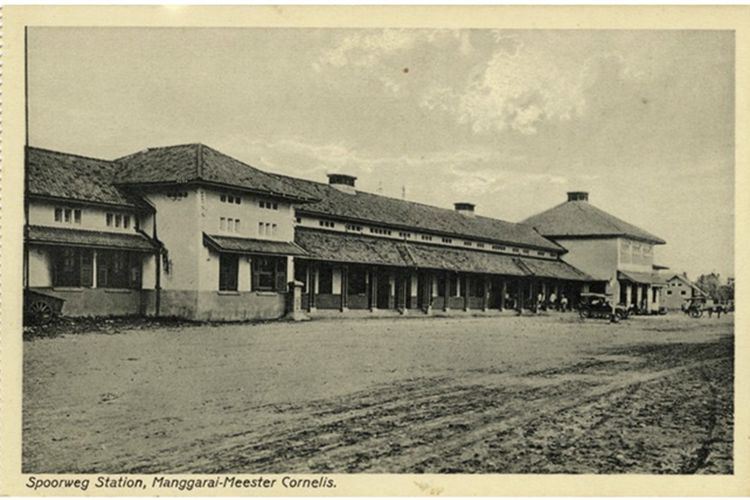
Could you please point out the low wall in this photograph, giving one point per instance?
(358, 301)
(240, 306)
(96, 301)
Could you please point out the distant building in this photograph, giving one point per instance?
(679, 290)
(190, 232)
(617, 255)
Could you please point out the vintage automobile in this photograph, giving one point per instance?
(40, 308)
(599, 305)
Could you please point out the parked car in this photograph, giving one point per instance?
(599, 305)
(40, 308)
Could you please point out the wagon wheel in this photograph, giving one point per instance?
(696, 313)
(41, 312)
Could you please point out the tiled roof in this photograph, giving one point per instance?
(94, 239)
(382, 210)
(688, 283)
(200, 163)
(581, 219)
(62, 175)
(554, 269)
(357, 249)
(250, 245)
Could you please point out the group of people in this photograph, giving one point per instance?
(553, 303)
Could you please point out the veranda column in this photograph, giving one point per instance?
(312, 292)
(465, 289)
(427, 292)
(503, 291)
(373, 299)
(485, 292)
(520, 294)
(446, 290)
(344, 288)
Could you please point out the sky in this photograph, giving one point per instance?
(507, 119)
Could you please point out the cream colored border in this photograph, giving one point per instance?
(601, 17)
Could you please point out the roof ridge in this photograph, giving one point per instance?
(76, 155)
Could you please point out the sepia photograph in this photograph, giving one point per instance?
(335, 250)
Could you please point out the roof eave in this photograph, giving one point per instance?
(554, 247)
(203, 182)
(144, 207)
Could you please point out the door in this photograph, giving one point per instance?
(384, 290)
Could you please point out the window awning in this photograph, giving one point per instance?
(359, 249)
(641, 278)
(232, 244)
(58, 236)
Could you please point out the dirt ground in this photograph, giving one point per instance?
(549, 394)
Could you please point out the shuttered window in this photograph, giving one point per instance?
(228, 271)
(118, 269)
(268, 273)
(72, 267)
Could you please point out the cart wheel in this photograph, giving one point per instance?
(583, 313)
(696, 313)
(41, 312)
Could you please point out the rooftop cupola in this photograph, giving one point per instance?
(342, 182)
(464, 208)
(578, 196)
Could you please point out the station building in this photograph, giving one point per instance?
(187, 231)
(617, 255)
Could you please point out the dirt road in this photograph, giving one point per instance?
(475, 395)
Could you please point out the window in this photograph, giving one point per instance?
(682, 292)
(269, 205)
(353, 227)
(480, 245)
(222, 223)
(447, 240)
(404, 235)
(325, 279)
(230, 225)
(453, 285)
(380, 230)
(236, 225)
(467, 243)
(72, 267)
(669, 292)
(118, 220)
(230, 198)
(118, 269)
(441, 285)
(67, 214)
(326, 223)
(269, 273)
(110, 218)
(77, 215)
(261, 228)
(541, 254)
(426, 237)
(357, 281)
(58, 214)
(515, 250)
(498, 247)
(525, 250)
(126, 221)
(228, 271)
(298, 220)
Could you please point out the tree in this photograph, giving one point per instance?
(710, 283)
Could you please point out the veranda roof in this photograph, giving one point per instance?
(43, 235)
